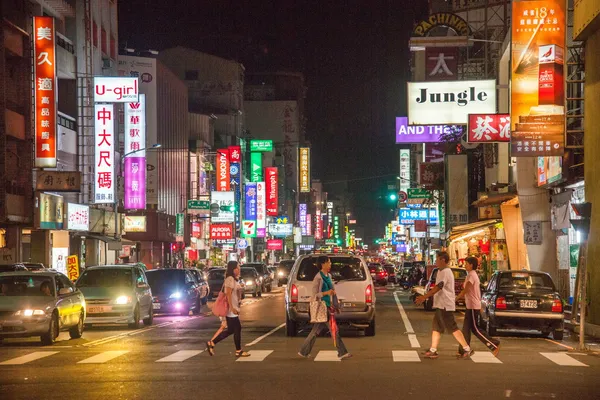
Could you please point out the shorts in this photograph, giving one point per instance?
(444, 320)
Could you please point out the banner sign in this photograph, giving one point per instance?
(441, 63)
(73, 268)
(304, 167)
(250, 194)
(309, 224)
(271, 178)
(104, 188)
(318, 225)
(134, 223)
(135, 163)
(44, 53)
(274, 244)
(115, 89)
(408, 134)
(489, 128)
(261, 211)
(537, 91)
(221, 231)
(408, 216)
(221, 200)
(261, 145)
(78, 217)
(302, 217)
(255, 167)
(223, 174)
(449, 102)
(281, 230)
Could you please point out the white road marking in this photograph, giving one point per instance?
(104, 357)
(563, 359)
(180, 356)
(406, 356)
(29, 358)
(413, 340)
(272, 331)
(327, 355)
(484, 357)
(256, 355)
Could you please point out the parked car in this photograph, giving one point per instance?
(174, 291)
(40, 304)
(202, 284)
(391, 271)
(460, 275)
(283, 271)
(34, 266)
(265, 274)
(216, 278)
(378, 273)
(251, 280)
(353, 285)
(522, 300)
(117, 294)
(12, 267)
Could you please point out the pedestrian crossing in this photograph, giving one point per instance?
(397, 356)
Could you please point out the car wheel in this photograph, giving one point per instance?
(291, 329)
(491, 329)
(76, 331)
(136, 318)
(558, 334)
(198, 306)
(370, 331)
(150, 320)
(49, 337)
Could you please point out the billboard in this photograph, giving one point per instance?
(223, 171)
(222, 199)
(133, 223)
(250, 194)
(408, 134)
(537, 76)
(272, 183)
(221, 231)
(304, 168)
(45, 95)
(489, 128)
(449, 102)
(115, 89)
(135, 162)
(78, 217)
(104, 165)
(261, 211)
(549, 170)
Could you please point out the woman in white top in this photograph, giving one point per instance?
(233, 291)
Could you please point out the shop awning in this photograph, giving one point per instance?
(460, 230)
(491, 200)
(99, 236)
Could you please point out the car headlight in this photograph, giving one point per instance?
(123, 300)
(280, 273)
(261, 278)
(249, 283)
(176, 295)
(29, 313)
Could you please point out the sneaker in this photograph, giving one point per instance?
(347, 355)
(466, 355)
(303, 356)
(431, 354)
(495, 352)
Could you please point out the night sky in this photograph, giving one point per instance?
(355, 58)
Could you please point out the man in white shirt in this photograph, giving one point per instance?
(444, 301)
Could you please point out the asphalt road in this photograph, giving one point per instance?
(167, 361)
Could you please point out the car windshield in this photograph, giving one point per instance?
(286, 265)
(519, 280)
(259, 267)
(248, 272)
(342, 269)
(26, 285)
(164, 280)
(106, 277)
(375, 268)
(216, 275)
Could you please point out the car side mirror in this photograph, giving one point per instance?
(65, 291)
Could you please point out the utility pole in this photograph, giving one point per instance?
(582, 225)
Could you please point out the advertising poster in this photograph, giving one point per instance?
(135, 155)
(537, 75)
(272, 183)
(549, 170)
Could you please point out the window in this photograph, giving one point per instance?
(191, 75)
(103, 41)
(63, 282)
(342, 268)
(106, 277)
(189, 278)
(526, 281)
(95, 33)
(24, 285)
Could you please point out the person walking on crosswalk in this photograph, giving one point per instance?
(472, 295)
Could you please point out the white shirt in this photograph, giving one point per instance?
(235, 287)
(445, 298)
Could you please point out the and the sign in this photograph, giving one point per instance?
(248, 228)
(272, 189)
(304, 168)
(441, 63)
(261, 145)
(203, 205)
(418, 194)
(226, 204)
(134, 223)
(104, 165)
(135, 155)
(73, 268)
(549, 170)
(45, 91)
(443, 19)
(404, 169)
(58, 181)
(274, 244)
(302, 208)
(261, 210)
(407, 134)
(408, 216)
(281, 230)
(250, 193)
(51, 211)
(256, 167)
(449, 102)
(533, 232)
(537, 91)
(223, 171)
(113, 89)
(179, 227)
(78, 217)
(221, 231)
(489, 128)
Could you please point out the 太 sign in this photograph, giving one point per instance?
(441, 63)
(104, 181)
(489, 128)
(223, 172)
(44, 54)
(78, 217)
(135, 154)
(221, 231)
(115, 89)
(449, 102)
(422, 133)
(134, 223)
(304, 167)
(271, 178)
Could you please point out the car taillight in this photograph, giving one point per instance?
(501, 303)
(294, 294)
(557, 306)
(369, 295)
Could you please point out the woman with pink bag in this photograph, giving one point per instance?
(231, 292)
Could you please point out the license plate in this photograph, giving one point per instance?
(156, 306)
(347, 305)
(98, 309)
(529, 304)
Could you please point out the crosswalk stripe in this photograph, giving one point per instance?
(180, 356)
(406, 356)
(256, 355)
(103, 357)
(327, 355)
(563, 359)
(29, 358)
(484, 357)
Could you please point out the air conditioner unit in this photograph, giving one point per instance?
(107, 63)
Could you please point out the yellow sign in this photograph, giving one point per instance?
(73, 267)
(135, 223)
(304, 168)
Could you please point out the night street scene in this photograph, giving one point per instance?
(260, 199)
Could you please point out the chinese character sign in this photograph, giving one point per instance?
(223, 174)
(221, 231)
(104, 165)
(318, 225)
(73, 268)
(235, 154)
(537, 75)
(44, 91)
(302, 217)
(304, 167)
(404, 169)
(533, 232)
(272, 184)
(78, 217)
(255, 167)
(261, 211)
(441, 63)
(489, 128)
(135, 162)
(236, 177)
(250, 202)
(308, 224)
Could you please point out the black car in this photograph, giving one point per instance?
(522, 300)
(378, 273)
(12, 267)
(283, 271)
(265, 274)
(174, 291)
(251, 280)
(202, 284)
(34, 266)
(215, 279)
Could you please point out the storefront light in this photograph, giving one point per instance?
(468, 235)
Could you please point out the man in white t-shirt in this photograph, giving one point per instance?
(444, 301)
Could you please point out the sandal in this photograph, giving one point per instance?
(210, 348)
(242, 353)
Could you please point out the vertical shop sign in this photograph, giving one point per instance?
(179, 227)
(302, 217)
(309, 224)
(104, 188)
(44, 58)
(255, 167)
(336, 227)
(304, 167)
(271, 177)
(250, 201)
(235, 154)
(236, 180)
(318, 225)
(261, 212)
(329, 226)
(404, 169)
(489, 128)
(135, 154)
(223, 175)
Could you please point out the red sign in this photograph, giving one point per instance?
(221, 231)
(196, 230)
(431, 175)
(275, 244)
(420, 225)
(271, 178)
(44, 41)
(489, 128)
(235, 154)
(223, 175)
(441, 63)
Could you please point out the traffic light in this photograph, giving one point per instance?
(230, 208)
(174, 247)
(582, 225)
(393, 196)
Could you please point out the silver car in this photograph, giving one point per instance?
(40, 304)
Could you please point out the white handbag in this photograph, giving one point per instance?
(318, 312)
